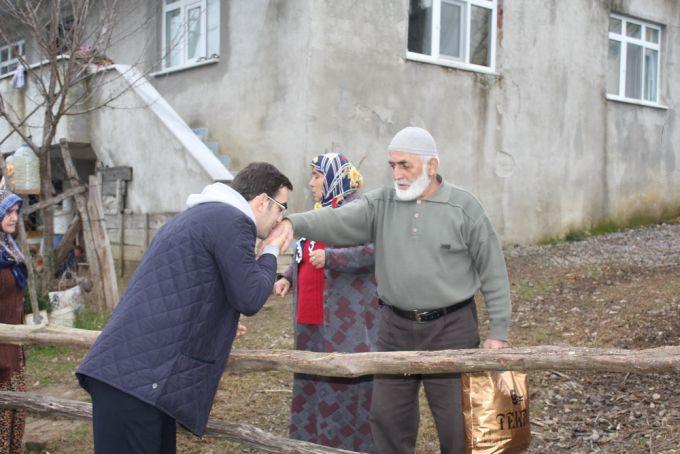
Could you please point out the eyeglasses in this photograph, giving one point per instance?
(283, 206)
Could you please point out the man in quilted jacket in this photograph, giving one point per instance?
(160, 358)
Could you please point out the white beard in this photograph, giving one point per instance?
(415, 190)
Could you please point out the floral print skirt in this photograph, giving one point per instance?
(12, 421)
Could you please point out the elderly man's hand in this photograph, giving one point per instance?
(281, 287)
(280, 236)
(287, 228)
(494, 343)
(240, 330)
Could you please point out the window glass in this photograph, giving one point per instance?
(194, 32)
(615, 25)
(172, 38)
(451, 27)
(613, 66)
(213, 25)
(480, 35)
(634, 71)
(651, 74)
(633, 30)
(652, 35)
(420, 27)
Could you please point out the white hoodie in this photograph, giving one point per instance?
(220, 192)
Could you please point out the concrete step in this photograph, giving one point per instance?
(224, 159)
(213, 146)
(202, 133)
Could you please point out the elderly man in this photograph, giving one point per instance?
(434, 248)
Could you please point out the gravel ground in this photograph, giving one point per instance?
(617, 290)
(653, 246)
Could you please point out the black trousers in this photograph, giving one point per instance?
(124, 424)
(395, 411)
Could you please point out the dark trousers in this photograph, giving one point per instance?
(124, 424)
(395, 411)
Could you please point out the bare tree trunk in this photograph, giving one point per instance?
(47, 215)
(32, 293)
(654, 360)
(240, 433)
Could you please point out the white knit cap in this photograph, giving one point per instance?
(414, 140)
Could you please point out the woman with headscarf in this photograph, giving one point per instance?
(336, 306)
(13, 280)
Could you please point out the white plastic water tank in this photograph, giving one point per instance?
(26, 170)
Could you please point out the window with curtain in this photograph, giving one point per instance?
(191, 31)
(458, 33)
(9, 54)
(633, 59)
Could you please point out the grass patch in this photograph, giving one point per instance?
(607, 227)
(576, 236)
(49, 365)
(92, 319)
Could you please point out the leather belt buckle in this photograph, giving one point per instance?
(429, 316)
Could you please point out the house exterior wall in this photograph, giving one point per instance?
(537, 142)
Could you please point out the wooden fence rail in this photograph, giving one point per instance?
(655, 360)
(241, 433)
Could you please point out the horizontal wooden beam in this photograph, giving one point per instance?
(53, 200)
(52, 407)
(654, 360)
(657, 360)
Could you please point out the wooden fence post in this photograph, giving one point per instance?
(90, 245)
(101, 240)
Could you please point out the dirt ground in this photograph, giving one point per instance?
(619, 290)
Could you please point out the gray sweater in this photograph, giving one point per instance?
(428, 253)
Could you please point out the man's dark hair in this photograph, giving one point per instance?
(259, 177)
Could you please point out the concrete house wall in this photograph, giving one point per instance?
(537, 142)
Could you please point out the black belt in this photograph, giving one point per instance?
(427, 315)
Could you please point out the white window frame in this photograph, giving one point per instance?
(201, 58)
(464, 62)
(12, 58)
(623, 41)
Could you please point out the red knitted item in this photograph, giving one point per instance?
(310, 289)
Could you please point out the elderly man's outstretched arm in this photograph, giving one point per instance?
(348, 225)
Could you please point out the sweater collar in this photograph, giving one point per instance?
(221, 193)
(442, 193)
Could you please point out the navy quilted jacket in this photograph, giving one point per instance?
(168, 340)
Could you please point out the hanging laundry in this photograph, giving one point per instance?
(18, 80)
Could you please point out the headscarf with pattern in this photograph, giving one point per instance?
(10, 254)
(341, 178)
